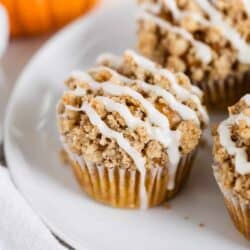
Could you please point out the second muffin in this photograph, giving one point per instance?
(130, 129)
(232, 165)
(208, 40)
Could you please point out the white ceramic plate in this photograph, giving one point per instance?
(32, 147)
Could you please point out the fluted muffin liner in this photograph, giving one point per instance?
(119, 187)
(223, 93)
(238, 208)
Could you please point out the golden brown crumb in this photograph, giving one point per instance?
(201, 225)
(190, 136)
(178, 54)
(84, 139)
(225, 163)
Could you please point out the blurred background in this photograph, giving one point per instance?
(31, 24)
(36, 17)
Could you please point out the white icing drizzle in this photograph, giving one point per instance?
(203, 51)
(133, 122)
(179, 14)
(242, 165)
(115, 60)
(109, 57)
(197, 91)
(171, 138)
(247, 6)
(228, 31)
(172, 6)
(216, 19)
(154, 115)
(153, 7)
(180, 91)
(246, 99)
(122, 142)
(184, 111)
(153, 132)
(77, 91)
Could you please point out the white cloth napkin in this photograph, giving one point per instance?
(20, 227)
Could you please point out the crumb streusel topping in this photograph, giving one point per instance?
(205, 39)
(232, 149)
(130, 113)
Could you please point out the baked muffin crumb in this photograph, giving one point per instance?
(225, 163)
(185, 37)
(130, 124)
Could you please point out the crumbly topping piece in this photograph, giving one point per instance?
(224, 162)
(132, 70)
(178, 54)
(235, 13)
(84, 138)
(189, 130)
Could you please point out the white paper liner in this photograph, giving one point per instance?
(239, 209)
(226, 92)
(120, 187)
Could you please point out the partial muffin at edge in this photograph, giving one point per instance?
(232, 165)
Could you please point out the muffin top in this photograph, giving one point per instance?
(203, 38)
(232, 150)
(130, 113)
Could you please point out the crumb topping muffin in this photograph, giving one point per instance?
(232, 150)
(130, 114)
(232, 163)
(208, 40)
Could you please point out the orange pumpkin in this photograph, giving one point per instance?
(32, 17)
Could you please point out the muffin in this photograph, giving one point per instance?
(130, 129)
(232, 165)
(207, 40)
